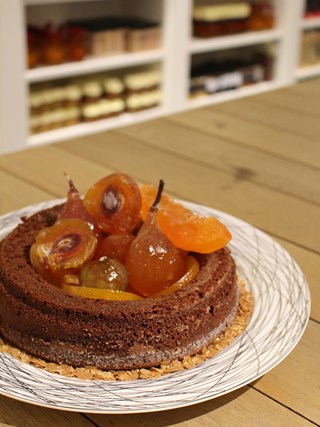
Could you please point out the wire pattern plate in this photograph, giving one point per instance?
(280, 315)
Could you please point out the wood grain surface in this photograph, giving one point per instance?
(256, 158)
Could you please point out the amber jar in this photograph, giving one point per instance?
(76, 43)
(262, 17)
(54, 49)
(33, 50)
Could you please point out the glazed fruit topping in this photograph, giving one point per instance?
(97, 293)
(193, 268)
(122, 242)
(74, 208)
(115, 203)
(115, 246)
(61, 250)
(104, 273)
(185, 229)
(153, 262)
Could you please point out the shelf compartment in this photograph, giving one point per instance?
(308, 72)
(83, 129)
(92, 65)
(253, 89)
(233, 41)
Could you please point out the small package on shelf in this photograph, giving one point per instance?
(113, 87)
(232, 18)
(92, 91)
(228, 74)
(142, 90)
(220, 19)
(143, 35)
(102, 109)
(73, 95)
(109, 39)
(312, 9)
(310, 48)
(102, 36)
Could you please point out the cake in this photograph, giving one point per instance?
(45, 321)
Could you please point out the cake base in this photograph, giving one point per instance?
(236, 328)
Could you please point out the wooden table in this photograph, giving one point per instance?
(256, 158)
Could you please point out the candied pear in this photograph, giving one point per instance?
(114, 202)
(74, 208)
(60, 251)
(153, 262)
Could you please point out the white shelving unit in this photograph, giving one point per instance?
(175, 58)
(312, 71)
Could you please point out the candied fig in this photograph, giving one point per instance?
(104, 273)
(115, 203)
(60, 251)
(153, 262)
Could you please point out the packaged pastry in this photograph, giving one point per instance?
(220, 19)
(141, 81)
(113, 87)
(143, 100)
(92, 91)
(143, 35)
(73, 95)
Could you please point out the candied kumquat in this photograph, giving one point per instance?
(192, 270)
(98, 293)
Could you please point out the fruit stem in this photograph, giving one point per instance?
(156, 202)
(72, 187)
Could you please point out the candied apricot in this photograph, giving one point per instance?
(186, 230)
(153, 262)
(115, 203)
(97, 293)
(61, 250)
(104, 273)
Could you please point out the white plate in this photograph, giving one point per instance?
(280, 315)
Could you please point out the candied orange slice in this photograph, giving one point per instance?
(98, 293)
(185, 229)
(192, 270)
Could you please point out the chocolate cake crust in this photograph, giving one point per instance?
(47, 322)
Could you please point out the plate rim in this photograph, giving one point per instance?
(32, 208)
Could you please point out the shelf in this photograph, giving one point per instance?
(179, 52)
(308, 72)
(237, 40)
(92, 65)
(310, 23)
(83, 129)
(253, 89)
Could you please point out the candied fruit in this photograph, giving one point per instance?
(186, 230)
(104, 273)
(115, 203)
(61, 250)
(153, 262)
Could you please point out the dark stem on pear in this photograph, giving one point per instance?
(156, 202)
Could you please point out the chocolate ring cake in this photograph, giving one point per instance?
(42, 319)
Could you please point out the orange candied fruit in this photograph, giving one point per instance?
(186, 230)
